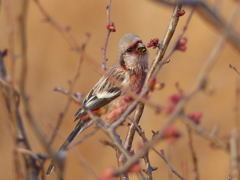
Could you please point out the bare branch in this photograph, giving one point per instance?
(193, 154)
(63, 113)
(108, 32)
(234, 68)
(142, 134)
(209, 15)
(218, 143)
(234, 155)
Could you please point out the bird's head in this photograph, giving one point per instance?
(132, 51)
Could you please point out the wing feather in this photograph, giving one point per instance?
(102, 93)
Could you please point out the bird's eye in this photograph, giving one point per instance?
(129, 50)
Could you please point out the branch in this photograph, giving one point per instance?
(218, 143)
(234, 157)
(65, 109)
(193, 154)
(199, 84)
(234, 68)
(155, 67)
(18, 131)
(110, 28)
(210, 16)
(142, 134)
(140, 107)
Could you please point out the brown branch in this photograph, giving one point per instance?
(193, 154)
(234, 68)
(237, 100)
(141, 176)
(67, 92)
(180, 35)
(108, 32)
(169, 164)
(142, 134)
(234, 156)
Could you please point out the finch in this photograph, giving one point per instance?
(106, 99)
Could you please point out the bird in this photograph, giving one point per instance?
(107, 100)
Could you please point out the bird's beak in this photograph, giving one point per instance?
(141, 48)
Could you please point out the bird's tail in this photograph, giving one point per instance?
(77, 130)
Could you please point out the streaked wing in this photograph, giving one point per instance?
(102, 93)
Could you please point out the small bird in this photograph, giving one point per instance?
(106, 99)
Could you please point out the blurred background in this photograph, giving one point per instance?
(52, 63)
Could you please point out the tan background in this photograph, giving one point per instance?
(52, 63)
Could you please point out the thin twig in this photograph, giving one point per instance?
(180, 35)
(169, 164)
(170, 174)
(104, 48)
(85, 164)
(68, 37)
(218, 143)
(141, 176)
(234, 68)
(69, 92)
(142, 134)
(8, 92)
(22, 84)
(234, 156)
(209, 15)
(193, 154)
(237, 108)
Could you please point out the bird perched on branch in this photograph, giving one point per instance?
(106, 99)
